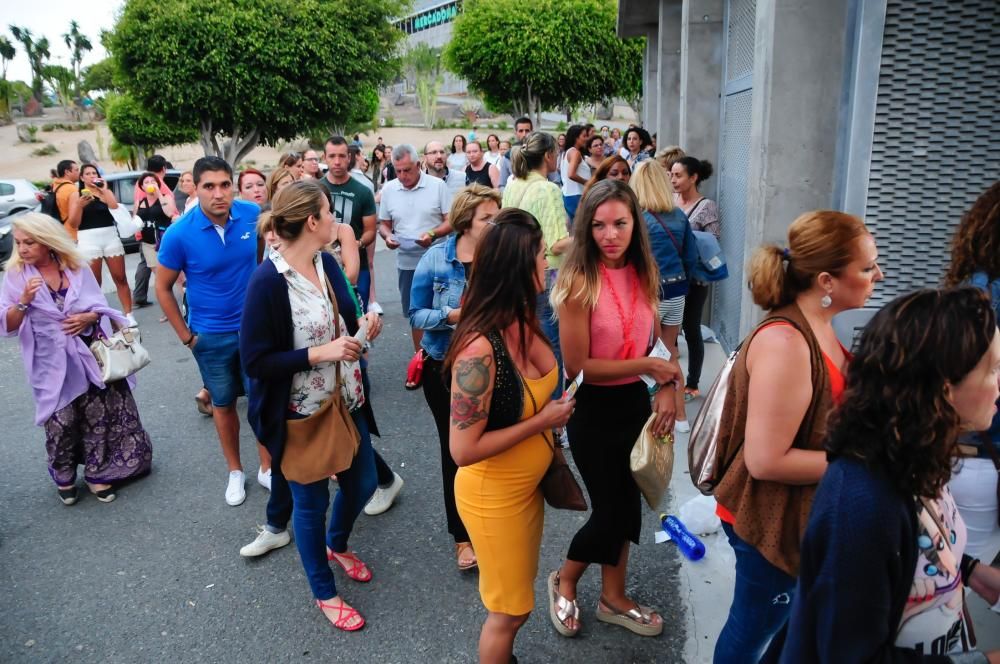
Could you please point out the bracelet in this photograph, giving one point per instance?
(190, 339)
(968, 566)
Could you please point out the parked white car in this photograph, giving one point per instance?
(17, 195)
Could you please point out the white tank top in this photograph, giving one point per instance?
(571, 187)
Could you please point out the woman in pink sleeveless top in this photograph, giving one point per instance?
(605, 297)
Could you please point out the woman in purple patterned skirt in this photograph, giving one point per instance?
(52, 302)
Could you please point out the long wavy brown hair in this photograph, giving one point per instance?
(976, 245)
(896, 416)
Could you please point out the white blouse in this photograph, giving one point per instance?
(312, 325)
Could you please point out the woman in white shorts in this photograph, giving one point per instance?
(97, 236)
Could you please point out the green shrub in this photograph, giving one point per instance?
(45, 150)
(561, 126)
(502, 125)
(440, 123)
(67, 126)
(390, 121)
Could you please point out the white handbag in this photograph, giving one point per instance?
(127, 224)
(119, 355)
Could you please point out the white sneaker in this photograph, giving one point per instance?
(375, 308)
(235, 494)
(264, 478)
(382, 499)
(131, 320)
(266, 541)
(682, 426)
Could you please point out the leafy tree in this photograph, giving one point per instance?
(254, 72)
(133, 125)
(37, 52)
(527, 57)
(61, 80)
(99, 76)
(424, 64)
(7, 52)
(78, 44)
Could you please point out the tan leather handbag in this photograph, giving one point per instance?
(326, 442)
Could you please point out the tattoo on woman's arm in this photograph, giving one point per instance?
(472, 381)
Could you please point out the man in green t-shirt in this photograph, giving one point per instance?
(353, 203)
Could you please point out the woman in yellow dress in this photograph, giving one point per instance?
(503, 373)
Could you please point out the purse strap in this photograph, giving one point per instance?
(336, 326)
(678, 247)
(534, 407)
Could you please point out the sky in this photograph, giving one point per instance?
(50, 18)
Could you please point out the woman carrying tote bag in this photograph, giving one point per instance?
(296, 346)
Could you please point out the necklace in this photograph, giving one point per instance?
(629, 346)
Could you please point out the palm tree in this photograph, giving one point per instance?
(78, 43)
(7, 52)
(37, 52)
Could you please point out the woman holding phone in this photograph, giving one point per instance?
(97, 236)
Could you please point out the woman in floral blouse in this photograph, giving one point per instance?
(290, 351)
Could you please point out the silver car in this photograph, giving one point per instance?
(17, 195)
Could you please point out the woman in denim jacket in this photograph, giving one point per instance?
(976, 262)
(676, 253)
(435, 307)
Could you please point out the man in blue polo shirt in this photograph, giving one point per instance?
(216, 247)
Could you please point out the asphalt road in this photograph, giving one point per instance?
(156, 574)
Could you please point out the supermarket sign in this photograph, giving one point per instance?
(430, 18)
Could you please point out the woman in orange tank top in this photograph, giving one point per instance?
(795, 368)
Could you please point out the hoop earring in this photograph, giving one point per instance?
(826, 301)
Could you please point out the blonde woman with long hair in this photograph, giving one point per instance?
(606, 297)
(51, 301)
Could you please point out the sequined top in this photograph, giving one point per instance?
(507, 403)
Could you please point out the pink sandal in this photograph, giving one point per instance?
(344, 615)
(358, 571)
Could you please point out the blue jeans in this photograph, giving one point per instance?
(571, 203)
(364, 287)
(310, 502)
(550, 326)
(762, 602)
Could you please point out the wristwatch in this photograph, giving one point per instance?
(432, 233)
(20, 306)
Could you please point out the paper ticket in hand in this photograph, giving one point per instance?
(660, 351)
(362, 334)
(407, 243)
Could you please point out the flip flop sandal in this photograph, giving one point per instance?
(204, 407)
(460, 548)
(358, 571)
(691, 395)
(344, 615)
(562, 609)
(638, 620)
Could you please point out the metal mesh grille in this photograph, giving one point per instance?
(739, 50)
(734, 164)
(936, 145)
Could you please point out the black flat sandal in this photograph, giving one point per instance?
(68, 496)
(105, 495)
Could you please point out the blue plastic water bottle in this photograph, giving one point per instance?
(690, 545)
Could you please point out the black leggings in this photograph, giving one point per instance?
(694, 304)
(439, 400)
(602, 432)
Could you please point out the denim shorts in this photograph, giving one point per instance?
(218, 358)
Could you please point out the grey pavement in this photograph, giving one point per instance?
(156, 574)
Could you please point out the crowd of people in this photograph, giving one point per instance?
(857, 486)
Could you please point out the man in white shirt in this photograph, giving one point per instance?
(436, 164)
(413, 214)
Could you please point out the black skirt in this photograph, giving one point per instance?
(602, 431)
